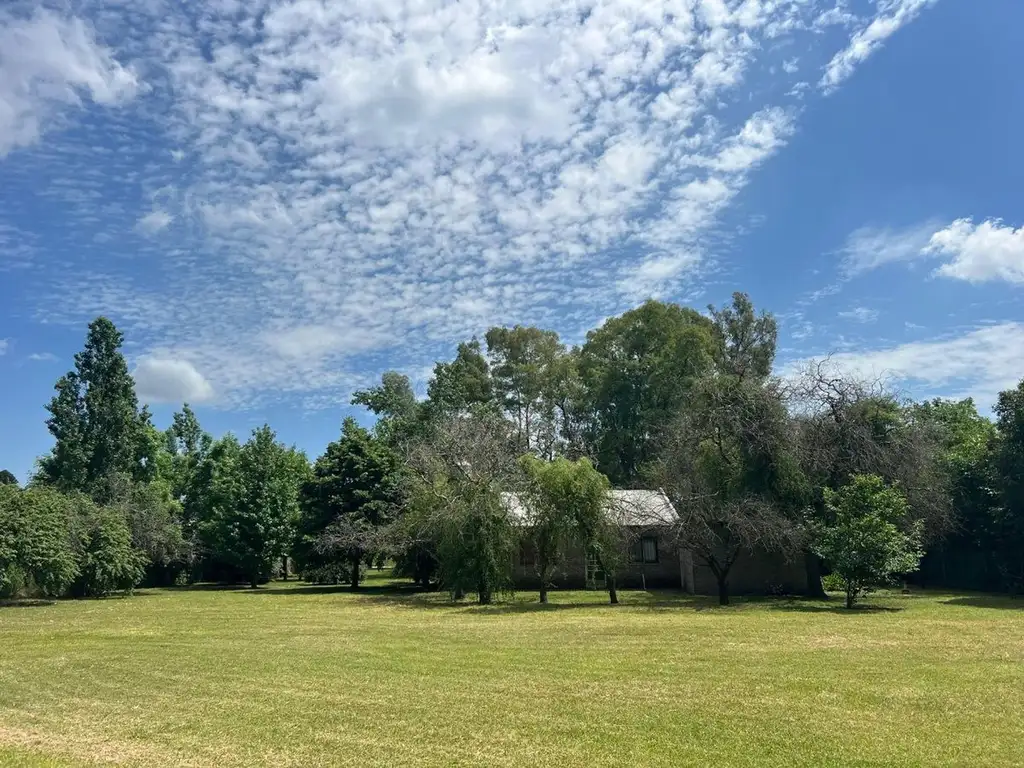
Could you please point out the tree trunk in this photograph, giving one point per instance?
(812, 567)
(356, 561)
(460, 594)
(543, 580)
(723, 589)
(284, 567)
(849, 597)
(253, 581)
(484, 594)
(613, 593)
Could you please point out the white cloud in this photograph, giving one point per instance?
(315, 341)
(4, 344)
(893, 15)
(343, 176)
(648, 279)
(982, 252)
(978, 252)
(870, 247)
(48, 62)
(154, 221)
(979, 363)
(164, 380)
(860, 315)
(42, 357)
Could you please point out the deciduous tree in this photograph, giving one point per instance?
(37, 545)
(252, 504)
(868, 538)
(524, 365)
(637, 370)
(1008, 513)
(565, 502)
(728, 464)
(458, 476)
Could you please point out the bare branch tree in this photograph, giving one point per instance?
(723, 464)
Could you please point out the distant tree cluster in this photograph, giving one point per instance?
(836, 472)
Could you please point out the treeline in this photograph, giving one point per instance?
(840, 473)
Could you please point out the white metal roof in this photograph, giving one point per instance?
(627, 507)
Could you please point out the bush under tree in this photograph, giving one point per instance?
(107, 561)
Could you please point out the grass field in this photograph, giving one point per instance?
(294, 675)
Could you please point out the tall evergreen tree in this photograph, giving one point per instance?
(94, 417)
(745, 340)
(352, 496)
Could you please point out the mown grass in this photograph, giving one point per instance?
(293, 675)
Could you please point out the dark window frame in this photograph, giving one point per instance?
(643, 553)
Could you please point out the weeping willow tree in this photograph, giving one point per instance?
(457, 481)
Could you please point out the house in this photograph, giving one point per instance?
(655, 559)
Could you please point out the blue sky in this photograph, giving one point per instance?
(278, 200)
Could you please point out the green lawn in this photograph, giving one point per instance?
(298, 676)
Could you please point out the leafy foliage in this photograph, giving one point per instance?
(868, 539)
(728, 464)
(154, 519)
(95, 419)
(462, 384)
(251, 496)
(1008, 513)
(400, 418)
(566, 501)
(524, 365)
(37, 547)
(637, 370)
(457, 478)
(347, 505)
(107, 561)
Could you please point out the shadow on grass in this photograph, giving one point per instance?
(837, 607)
(25, 603)
(397, 590)
(629, 600)
(402, 594)
(207, 587)
(987, 601)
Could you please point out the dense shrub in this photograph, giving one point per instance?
(107, 560)
(37, 554)
(154, 519)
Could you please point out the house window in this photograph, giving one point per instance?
(648, 549)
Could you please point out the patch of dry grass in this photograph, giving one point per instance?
(299, 676)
